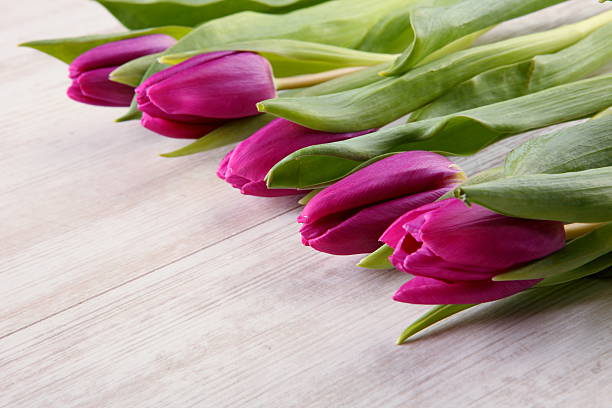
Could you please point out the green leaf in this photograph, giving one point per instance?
(306, 199)
(577, 253)
(434, 28)
(434, 315)
(229, 133)
(605, 112)
(580, 196)
(600, 264)
(394, 32)
(132, 72)
(536, 74)
(294, 57)
(461, 133)
(581, 147)
(151, 13)
(382, 102)
(67, 49)
(378, 259)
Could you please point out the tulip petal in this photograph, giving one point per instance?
(226, 87)
(395, 176)
(427, 291)
(74, 93)
(119, 52)
(175, 129)
(479, 238)
(149, 108)
(179, 68)
(357, 231)
(95, 85)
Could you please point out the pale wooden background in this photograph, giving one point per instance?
(130, 280)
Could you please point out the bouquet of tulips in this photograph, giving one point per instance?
(307, 89)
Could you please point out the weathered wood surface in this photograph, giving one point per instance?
(130, 280)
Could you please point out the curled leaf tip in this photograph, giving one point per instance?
(460, 194)
(261, 107)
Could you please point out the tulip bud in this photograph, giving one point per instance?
(192, 98)
(89, 71)
(349, 216)
(246, 166)
(455, 250)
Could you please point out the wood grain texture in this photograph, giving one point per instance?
(130, 280)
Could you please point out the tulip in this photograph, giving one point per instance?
(454, 251)
(194, 97)
(246, 166)
(349, 216)
(90, 71)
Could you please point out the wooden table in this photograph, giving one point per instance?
(131, 280)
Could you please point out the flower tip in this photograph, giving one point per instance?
(260, 107)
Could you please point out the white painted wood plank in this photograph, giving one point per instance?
(257, 321)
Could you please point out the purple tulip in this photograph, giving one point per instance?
(89, 71)
(349, 216)
(455, 250)
(192, 98)
(246, 166)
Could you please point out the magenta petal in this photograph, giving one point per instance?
(423, 262)
(396, 231)
(395, 176)
(149, 108)
(479, 238)
(427, 291)
(95, 84)
(74, 93)
(222, 170)
(226, 87)
(358, 231)
(259, 189)
(251, 160)
(119, 52)
(179, 68)
(175, 129)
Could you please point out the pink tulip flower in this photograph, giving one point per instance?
(455, 250)
(190, 99)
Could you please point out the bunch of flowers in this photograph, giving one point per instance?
(309, 89)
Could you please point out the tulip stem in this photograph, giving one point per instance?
(302, 81)
(579, 229)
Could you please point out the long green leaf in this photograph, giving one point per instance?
(433, 316)
(67, 49)
(585, 146)
(294, 49)
(380, 103)
(541, 72)
(595, 266)
(294, 57)
(575, 254)
(435, 27)
(461, 133)
(151, 13)
(394, 32)
(581, 196)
